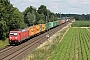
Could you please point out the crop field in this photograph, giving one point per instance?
(45, 50)
(74, 46)
(81, 24)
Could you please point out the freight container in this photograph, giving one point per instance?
(63, 21)
(42, 27)
(55, 23)
(59, 22)
(32, 30)
(49, 25)
(37, 28)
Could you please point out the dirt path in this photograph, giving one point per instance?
(76, 48)
(63, 35)
(69, 25)
(80, 27)
(88, 29)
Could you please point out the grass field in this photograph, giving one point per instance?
(3, 43)
(81, 24)
(74, 46)
(47, 48)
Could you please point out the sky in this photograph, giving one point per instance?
(56, 6)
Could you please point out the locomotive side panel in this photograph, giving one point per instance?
(24, 34)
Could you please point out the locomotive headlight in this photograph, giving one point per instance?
(10, 37)
(15, 37)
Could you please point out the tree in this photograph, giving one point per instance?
(10, 18)
(52, 17)
(41, 19)
(42, 10)
(3, 29)
(16, 19)
(30, 19)
(30, 16)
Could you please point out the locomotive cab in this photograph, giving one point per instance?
(14, 37)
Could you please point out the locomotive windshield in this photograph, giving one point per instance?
(13, 33)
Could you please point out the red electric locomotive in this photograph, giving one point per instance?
(17, 36)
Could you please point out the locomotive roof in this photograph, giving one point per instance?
(22, 30)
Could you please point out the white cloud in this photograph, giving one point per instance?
(73, 1)
(55, 7)
(85, 2)
(76, 9)
(33, 0)
(66, 6)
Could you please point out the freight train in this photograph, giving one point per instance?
(17, 36)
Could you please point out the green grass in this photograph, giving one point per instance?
(3, 43)
(46, 51)
(81, 24)
(74, 46)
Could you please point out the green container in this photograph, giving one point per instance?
(49, 25)
(55, 23)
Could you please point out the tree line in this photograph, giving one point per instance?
(76, 16)
(11, 18)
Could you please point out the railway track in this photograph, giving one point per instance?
(5, 49)
(20, 51)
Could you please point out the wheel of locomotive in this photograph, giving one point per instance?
(10, 43)
(17, 43)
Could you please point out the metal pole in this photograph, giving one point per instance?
(60, 15)
(47, 20)
(46, 23)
